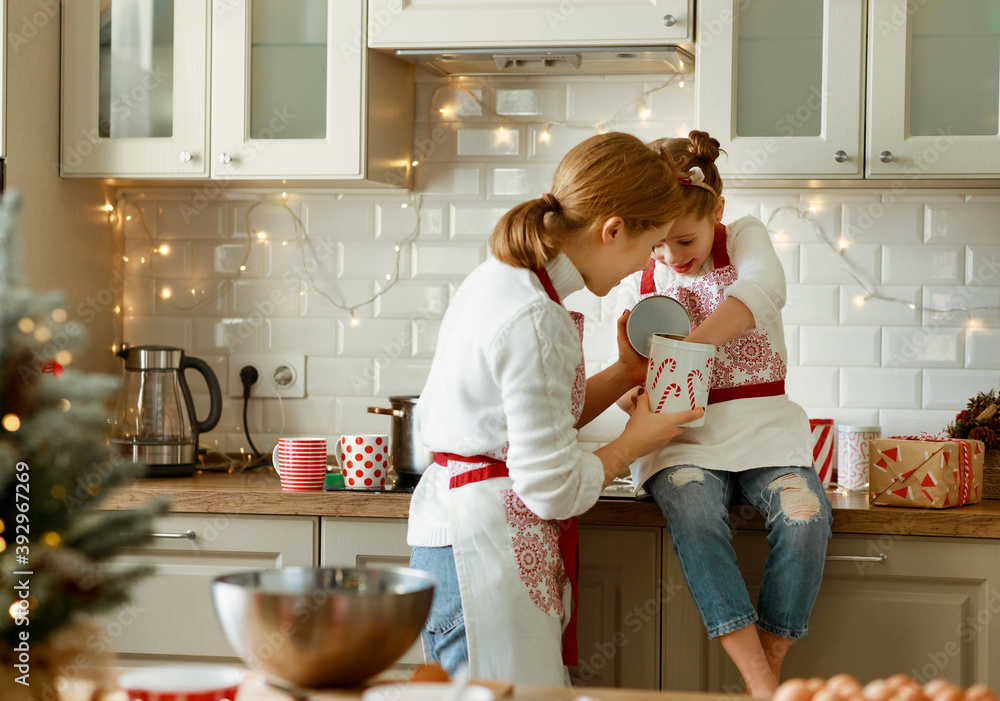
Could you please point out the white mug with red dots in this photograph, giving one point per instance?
(300, 463)
(365, 459)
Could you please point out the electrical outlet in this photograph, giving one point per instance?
(283, 373)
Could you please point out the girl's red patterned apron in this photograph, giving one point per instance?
(516, 572)
(747, 366)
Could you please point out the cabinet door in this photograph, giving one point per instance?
(779, 83)
(438, 24)
(287, 82)
(933, 88)
(349, 542)
(134, 88)
(928, 610)
(618, 619)
(172, 613)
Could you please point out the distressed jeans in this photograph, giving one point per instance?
(695, 501)
(443, 637)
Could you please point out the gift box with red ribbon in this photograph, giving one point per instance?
(925, 472)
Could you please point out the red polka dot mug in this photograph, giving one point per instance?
(365, 459)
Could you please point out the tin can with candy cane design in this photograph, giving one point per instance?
(677, 375)
(852, 455)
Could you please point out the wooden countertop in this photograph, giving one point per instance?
(259, 492)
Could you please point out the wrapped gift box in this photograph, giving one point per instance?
(930, 473)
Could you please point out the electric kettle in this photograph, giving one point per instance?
(155, 421)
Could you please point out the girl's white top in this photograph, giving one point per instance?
(740, 434)
(503, 372)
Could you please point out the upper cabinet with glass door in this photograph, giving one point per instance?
(433, 24)
(135, 88)
(933, 88)
(295, 92)
(778, 82)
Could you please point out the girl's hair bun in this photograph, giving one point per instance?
(703, 146)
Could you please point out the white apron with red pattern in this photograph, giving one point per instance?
(747, 366)
(515, 590)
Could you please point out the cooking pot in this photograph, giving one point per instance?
(408, 456)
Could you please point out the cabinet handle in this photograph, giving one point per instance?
(188, 535)
(185, 156)
(225, 158)
(885, 156)
(840, 156)
(669, 20)
(881, 557)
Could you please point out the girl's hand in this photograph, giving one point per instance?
(633, 363)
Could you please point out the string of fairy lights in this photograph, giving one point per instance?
(451, 112)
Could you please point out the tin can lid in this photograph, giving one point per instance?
(859, 429)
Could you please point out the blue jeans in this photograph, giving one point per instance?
(695, 502)
(444, 635)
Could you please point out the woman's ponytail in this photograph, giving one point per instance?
(521, 238)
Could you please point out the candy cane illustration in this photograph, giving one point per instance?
(677, 392)
(691, 384)
(673, 366)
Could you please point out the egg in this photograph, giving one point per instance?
(980, 692)
(909, 691)
(793, 690)
(877, 690)
(935, 686)
(432, 672)
(827, 694)
(844, 684)
(898, 680)
(815, 684)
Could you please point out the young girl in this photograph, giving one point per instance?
(755, 442)
(493, 517)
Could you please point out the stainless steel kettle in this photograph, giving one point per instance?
(155, 420)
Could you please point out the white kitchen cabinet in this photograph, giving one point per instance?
(930, 609)
(171, 615)
(780, 84)
(933, 88)
(783, 84)
(551, 23)
(618, 619)
(356, 542)
(295, 93)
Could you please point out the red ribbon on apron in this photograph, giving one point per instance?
(964, 462)
(569, 530)
(720, 259)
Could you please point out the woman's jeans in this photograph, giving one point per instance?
(444, 635)
(695, 502)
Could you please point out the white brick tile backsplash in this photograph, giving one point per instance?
(340, 219)
(840, 345)
(186, 298)
(982, 348)
(375, 338)
(447, 179)
(446, 261)
(923, 347)
(880, 388)
(982, 265)
(812, 304)
(340, 376)
(910, 422)
(497, 141)
(877, 363)
(818, 265)
(232, 416)
(935, 265)
(962, 297)
(193, 219)
(880, 312)
(951, 389)
(962, 223)
(400, 378)
(146, 330)
(881, 222)
(816, 387)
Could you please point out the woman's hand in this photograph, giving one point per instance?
(633, 363)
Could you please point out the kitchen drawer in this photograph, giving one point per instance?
(171, 615)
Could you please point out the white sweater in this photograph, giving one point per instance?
(503, 371)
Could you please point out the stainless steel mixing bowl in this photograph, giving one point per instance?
(319, 627)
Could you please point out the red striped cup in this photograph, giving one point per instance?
(300, 463)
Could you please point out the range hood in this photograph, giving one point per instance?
(561, 61)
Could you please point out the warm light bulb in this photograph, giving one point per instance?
(64, 357)
(164, 249)
(59, 315)
(165, 293)
(26, 324)
(284, 243)
(404, 205)
(10, 422)
(973, 324)
(193, 291)
(681, 84)
(813, 208)
(109, 207)
(261, 235)
(284, 195)
(17, 611)
(397, 247)
(52, 539)
(776, 236)
(355, 320)
(65, 404)
(43, 335)
(143, 260)
(912, 306)
(388, 276)
(414, 163)
(680, 63)
(859, 300)
(843, 243)
(501, 129)
(128, 217)
(644, 111)
(544, 136)
(118, 309)
(243, 268)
